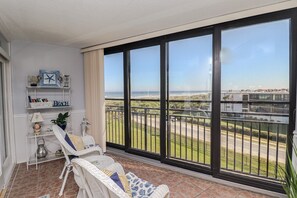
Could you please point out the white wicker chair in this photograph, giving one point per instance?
(98, 184)
(92, 154)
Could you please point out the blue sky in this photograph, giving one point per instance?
(113, 72)
(145, 69)
(253, 57)
(256, 56)
(190, 64)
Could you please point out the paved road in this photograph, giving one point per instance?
(233, 143)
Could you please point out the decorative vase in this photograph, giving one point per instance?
(41, 150)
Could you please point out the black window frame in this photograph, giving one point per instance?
(216, 31)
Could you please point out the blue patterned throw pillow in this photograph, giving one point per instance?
(139, 187)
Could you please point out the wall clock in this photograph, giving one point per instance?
(49, 78)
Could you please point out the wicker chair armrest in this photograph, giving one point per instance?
(87, 139)
(87, 170)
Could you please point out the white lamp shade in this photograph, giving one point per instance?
(37, 117)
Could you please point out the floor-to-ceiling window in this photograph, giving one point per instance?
(114, 98)
(145, 99)
(255, 98)
(189, 99)
(229, 96)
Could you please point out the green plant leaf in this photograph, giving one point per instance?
(61, 119)
(289, 176)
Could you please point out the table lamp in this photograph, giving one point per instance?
(36, 119)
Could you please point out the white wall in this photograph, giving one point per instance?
(26, 59)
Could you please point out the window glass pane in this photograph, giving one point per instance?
(114, 98)
(190, 67)
(256, 58)
(113, 75)
(145, 99)
(190, 86)
(145, 72)
(254, 78)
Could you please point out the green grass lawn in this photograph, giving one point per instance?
(192, 150)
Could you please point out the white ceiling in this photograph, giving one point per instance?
(81, 23)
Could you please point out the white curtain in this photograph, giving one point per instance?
(94, 95)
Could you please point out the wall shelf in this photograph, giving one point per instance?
(43, 98)
(46, 87)
(42, 134)
(48, 108)
(48, 158)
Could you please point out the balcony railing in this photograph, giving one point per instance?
(251, 146)
(145, 133)
(114, 118)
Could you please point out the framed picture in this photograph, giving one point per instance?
(49, 78)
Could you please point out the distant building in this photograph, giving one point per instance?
(241, 102)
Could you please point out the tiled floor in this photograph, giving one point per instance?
(35, 183)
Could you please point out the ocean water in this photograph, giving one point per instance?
(141, 94)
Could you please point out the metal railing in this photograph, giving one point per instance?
(256, 147)
(145, 132)
(253, 147)
(189, 138)
(114, 125)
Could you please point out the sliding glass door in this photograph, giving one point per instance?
(145, 99)
(218, 100)
(114, 99)
(255, 98)
(189, 99)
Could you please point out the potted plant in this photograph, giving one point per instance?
(61, 120)
(289, 176)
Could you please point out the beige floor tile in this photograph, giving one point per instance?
(34, 183)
